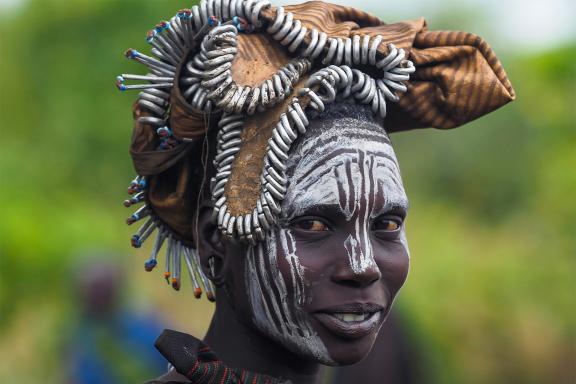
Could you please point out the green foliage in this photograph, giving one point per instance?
(491, 226)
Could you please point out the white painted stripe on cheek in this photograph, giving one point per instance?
(261, 313)
(296, 270)
(294, 332)
(278, 280)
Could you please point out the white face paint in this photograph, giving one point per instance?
(354, 170)
(275, 314)
(348, 167)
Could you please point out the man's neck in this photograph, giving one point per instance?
(241, 347)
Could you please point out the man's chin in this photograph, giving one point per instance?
(348, 343)
(348, 352)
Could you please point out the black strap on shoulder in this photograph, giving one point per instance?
(180, 349)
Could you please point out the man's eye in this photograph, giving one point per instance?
(311, 225)
(388, 224)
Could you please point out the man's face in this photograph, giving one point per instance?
(324, 280)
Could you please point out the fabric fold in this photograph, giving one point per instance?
(458, 78)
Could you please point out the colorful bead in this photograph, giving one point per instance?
(149, 265)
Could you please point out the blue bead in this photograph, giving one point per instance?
(136, 242)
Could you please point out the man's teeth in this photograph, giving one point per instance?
(351, 317)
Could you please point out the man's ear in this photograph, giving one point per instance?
(211, 249)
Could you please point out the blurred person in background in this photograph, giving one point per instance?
(110, 343)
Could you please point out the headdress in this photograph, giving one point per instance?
(247, 74)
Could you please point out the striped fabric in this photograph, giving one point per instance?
(458, 77)
(209, 370)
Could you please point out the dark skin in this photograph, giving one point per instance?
(238, 343)
(318, 232)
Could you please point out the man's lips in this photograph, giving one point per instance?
(351, 321)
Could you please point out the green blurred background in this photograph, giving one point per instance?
(492, 227)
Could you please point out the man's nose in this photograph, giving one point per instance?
(355, 274)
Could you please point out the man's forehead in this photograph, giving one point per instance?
(351, 160)
(344, 173)
(343, 133)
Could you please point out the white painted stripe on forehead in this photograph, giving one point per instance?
(334, 157)
(345, 132)
(342, 134)
(319, 171)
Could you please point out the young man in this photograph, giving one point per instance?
(261, 143)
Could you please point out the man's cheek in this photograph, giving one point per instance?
(394, 264)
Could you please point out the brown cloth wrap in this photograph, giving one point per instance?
(458, 78)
